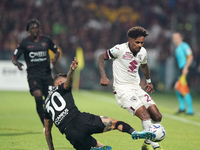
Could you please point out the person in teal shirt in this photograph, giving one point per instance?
(184, 59)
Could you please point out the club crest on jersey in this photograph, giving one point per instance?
(133, 98)
(30, 46)
(127, 55)
(140, 57)
(43, 44)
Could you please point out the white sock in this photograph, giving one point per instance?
(145, 125)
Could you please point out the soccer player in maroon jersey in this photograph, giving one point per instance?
(127, 58)
(35, 51)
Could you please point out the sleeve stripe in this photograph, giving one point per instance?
(110, 54)
(107, 54)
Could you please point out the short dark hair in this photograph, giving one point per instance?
(136, 32)
(64, 75)
(32, 21)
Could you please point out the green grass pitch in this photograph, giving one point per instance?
(21, 129)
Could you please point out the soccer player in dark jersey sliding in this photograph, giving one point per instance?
(35, 50)
(78, 126)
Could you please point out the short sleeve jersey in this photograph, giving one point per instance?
(125, 64)
(60, 107)
(36, 55)
(181, 53)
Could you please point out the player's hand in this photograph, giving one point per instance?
(54, 62)
(19, 66)
(74, 64)
(185, 71)
(104, 81)
(149, 87)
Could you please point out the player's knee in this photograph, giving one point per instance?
(157, 117)
(37, 93)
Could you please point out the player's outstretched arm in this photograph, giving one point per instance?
(70, 74)
(48, 123)
(101, 66)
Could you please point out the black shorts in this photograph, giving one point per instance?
(45, 84)
(80, 129)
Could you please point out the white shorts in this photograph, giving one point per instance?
(132, 97)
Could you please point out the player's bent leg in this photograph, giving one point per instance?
(154, 113)
(143, 135)
(39, 104)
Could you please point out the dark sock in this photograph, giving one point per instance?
(125, 127)
(39, 107)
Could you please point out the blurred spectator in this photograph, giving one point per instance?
(90, 23)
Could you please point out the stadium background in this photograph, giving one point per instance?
(98, 25)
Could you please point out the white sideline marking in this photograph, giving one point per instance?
(181, 119)
(113, 101)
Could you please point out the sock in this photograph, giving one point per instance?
(180, 100)
(39, 107)
(188, 99)
(125, 127)
(145, 125)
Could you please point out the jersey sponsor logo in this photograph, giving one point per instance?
(117, 48)
(38, 59)
(127, 55)
(37, 54)
(61, 116)
(31, 46)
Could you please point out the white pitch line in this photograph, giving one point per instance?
(180, 119)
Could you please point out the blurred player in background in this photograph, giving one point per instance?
(127, 58)
(79, 126)
(184, 59)
(35, 50)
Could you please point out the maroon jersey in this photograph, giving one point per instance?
(36, 55)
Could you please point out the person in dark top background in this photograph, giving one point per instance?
(35, 50)
(78, 126)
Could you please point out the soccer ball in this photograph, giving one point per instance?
(159, 131)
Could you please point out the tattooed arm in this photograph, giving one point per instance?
(101, 66)
(48, 123)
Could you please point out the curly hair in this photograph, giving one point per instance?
(32, 21)
(136, 32)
